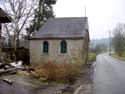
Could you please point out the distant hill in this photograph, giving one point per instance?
(95, 42)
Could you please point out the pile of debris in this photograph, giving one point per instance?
(10, 68)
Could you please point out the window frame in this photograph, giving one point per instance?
(44, 44)
(66, 48)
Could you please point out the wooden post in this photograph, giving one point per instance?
(0, 39)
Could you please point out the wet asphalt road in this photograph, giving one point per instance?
(109, 75)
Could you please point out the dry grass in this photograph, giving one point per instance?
(58, 71)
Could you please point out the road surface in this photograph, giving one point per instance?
(109, 75)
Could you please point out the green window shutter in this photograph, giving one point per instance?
(45, 47)
(63, 46)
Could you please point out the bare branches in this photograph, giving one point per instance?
(22, 12)
(27, 16)
(118, 39)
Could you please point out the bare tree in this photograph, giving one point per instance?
(22, 12)
(118, 40)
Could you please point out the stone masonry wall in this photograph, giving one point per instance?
(75, 51)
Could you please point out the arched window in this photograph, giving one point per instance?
(45, 47)
(63, 46)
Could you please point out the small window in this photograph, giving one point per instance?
(63, 46)
(45, 47)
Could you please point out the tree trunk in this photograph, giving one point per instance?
(120, 53)
(0, 40)
(16, 46)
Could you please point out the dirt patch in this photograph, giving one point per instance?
(84, 83)
(27, 85)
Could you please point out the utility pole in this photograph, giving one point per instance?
(85, 10)
(109, 42)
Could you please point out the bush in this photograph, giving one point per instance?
(58, 71)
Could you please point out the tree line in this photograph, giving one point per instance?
(114, 43)
(118, 40)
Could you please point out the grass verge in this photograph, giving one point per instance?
(119, 57)
(92, 57)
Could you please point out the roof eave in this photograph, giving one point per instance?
(75, 38)
(6, 18)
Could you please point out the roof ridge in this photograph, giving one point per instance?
(68, 17)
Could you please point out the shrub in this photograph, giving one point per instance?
(58, 71)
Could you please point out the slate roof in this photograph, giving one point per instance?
(63, 28)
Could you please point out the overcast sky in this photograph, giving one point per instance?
(103, 15)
